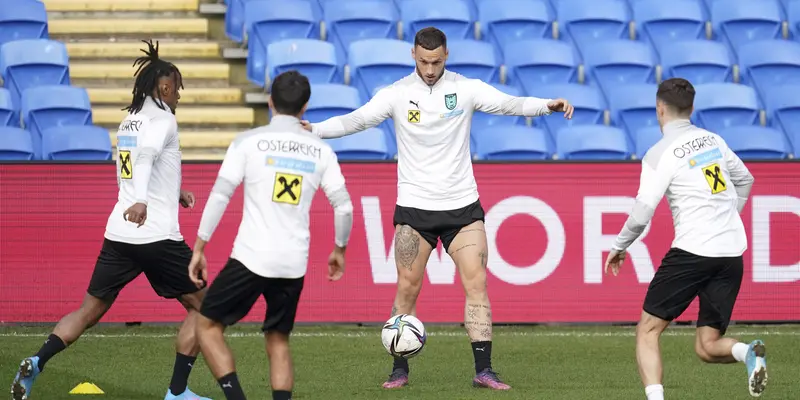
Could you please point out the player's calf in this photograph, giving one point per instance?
(281, 370)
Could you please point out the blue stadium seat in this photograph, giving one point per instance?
(766, 64)
(8, 112)
(590, 105)
(505, 21)
(645, 138)
(451, 16)
(45, 107)
(665, 22)
(699, 61)
(783, 111)
(474, 59)
(756, 142)
(741, 21)
(612, 63)
(76, 142)
(633, 106)
(480, 118)
(540, 61)
(15, 144)
(352, 20)
(592, 142)
(315, 59)
(25, 20)
(722, 105)
(585, 22)
(236, 15)
(510, 143)
(378, 62)
(29, 63)
(369, 144)
(793, 17)
(331, 100)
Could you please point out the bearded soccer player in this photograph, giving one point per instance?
(142, 233)
(707, 186)
(437, 195)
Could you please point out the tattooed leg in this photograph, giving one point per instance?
(411, 254)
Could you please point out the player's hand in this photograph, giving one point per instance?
(615, 260)
(336, 264)
(136, 213)
(306, 125)
(198, 271)
(187, 199)
(561, 105)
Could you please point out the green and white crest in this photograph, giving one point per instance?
(450, 100)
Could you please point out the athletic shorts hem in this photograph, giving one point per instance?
(433, 226)
(657, 314)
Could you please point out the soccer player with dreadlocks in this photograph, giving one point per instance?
(149, 179)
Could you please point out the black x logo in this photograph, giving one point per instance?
(287, 187)
(413, 116)
(125, 164)
(718, 184)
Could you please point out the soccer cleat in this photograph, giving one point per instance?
(489, 379)
(186, 395)
(756, 363)
(397, 379)
(23, 382)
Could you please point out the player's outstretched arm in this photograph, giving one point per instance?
(333, 185)
(157, 132)
(377, 110)
(230, 176)
(653, 183)
(741, 177)
(488, 99)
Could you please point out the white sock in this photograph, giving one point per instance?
(654, 392)
(740, 351)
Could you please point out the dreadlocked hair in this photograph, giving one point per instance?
(151, 70)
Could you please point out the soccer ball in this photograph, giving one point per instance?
(403, 336)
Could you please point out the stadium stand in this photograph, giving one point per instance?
(606, 56)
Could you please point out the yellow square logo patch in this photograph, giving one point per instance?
(288, 188)
(413, 116)
(715, 178)
(125, 165)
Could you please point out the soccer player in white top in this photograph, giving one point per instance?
(707, 186)
(437, 197)
(142, 234)
(281, 167)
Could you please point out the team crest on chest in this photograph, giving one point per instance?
(450, 101)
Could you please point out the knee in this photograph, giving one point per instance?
(702, 353)
(92, 310)
(647, 329)
(205, 328)
(408, 288)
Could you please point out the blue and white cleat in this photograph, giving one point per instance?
(23, 382)
(186, 395)
(756, 363)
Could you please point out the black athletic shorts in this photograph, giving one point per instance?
(235, 290)
(683, 276)
(165, 264)
(435, 225)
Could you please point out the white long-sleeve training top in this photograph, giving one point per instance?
(706, 184)
(281, 167)
(149, 172)
(432, 124)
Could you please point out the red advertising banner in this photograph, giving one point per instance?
(549, 226)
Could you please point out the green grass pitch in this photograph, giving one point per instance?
(336, 362)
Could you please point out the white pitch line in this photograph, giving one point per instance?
(684, 332)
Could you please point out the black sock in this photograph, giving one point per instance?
(231, 387)
(52, 346)
(180, 373)
(483, 355)
(400, 363)
(281, 395)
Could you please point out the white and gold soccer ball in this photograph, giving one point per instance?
(403, 336)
